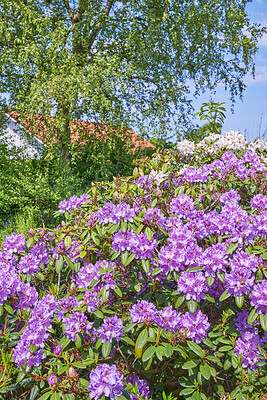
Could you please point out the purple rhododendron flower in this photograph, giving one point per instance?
(259, 297)
(112, 328)
(105, 379)
(242, 325)
(14, 243)
(193, 285)
(196, 325)
(143, 389)
(52, 380)
(75, 323)
(28, 264)
(169, 319)
(143, 311)
(182, 205)
(239, 281)
(247, 346)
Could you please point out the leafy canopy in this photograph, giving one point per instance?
(129, 61)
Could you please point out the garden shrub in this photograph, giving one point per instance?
(153, 286)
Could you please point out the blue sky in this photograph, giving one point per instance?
(251, 113)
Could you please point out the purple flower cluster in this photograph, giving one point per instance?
(259, 297)
(143, 389)
(110, 213)
(91, 272)
(143, 311)
(28, 264)
(73, 202)
(112, 328)
(105, 380)
(169, 319)
(138, 244)
(242, 325)
(214, 259)
(259, 202)
(182, 205)
(196, 325)
(29, 350)
(75, 323)
(14, 244)
(193, 285)
(247, 346)
(154, 216)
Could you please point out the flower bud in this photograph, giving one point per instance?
(52, 380)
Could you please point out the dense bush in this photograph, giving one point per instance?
(153, 286)
(30, 190)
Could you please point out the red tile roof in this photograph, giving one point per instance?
(81, 131)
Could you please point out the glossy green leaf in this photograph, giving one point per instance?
(190, 364)
(263, 321)
(205, 370)
(106, 349)
(195, 348)
(252, 316)
(142, 339)
(224, 296)
(239, 300)
(148, 353)
(232, 248)
(192, 306)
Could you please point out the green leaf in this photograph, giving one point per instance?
(190, 364)
(148, 353)
(168, 350)
(205, 370)
(124, 257)
(67, 242)
(142, 339)
(264, 256)
(146, 265)
(160, 352)
(192, 306)
(239, 300)
(45, 395)
(232, 248)
(55, 396)
(263, 321)
(224, 296)
(149, 233)
(9, 309)
(95, 238)
(210, 298)
(210, 280)
(39, 276)
(59, 264)
(180, 300)
(252, 316)
(106, 349)
(235, 393)
(187, 391)
(196, 348)
(34, 392)
(124, 226)
(130, 258)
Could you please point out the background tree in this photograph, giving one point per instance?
(121, 62)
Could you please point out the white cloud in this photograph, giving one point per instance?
(259, 1)
(260, 76)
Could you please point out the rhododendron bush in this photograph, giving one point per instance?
(153, 286)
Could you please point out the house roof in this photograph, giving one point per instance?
(80, 131)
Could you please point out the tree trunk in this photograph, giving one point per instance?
(63, 133)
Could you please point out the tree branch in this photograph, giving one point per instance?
(98, 27)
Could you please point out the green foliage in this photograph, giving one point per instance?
(198, 134)
(125, 61)
(214, 114)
